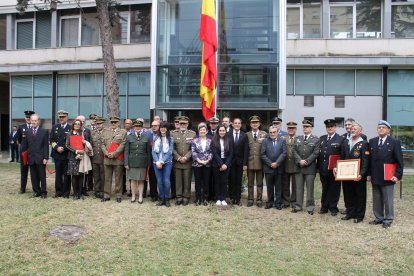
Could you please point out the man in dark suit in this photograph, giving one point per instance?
(273, 154)
(37, 146)
(86, 132)
(21, 136)
(277, 122)
(239, 164)
(226, 123)
(60, 154)
(331, 189)
(14, 147)
(384, 150)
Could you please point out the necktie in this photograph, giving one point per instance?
(237, 137)
(274, 144)
(34, 132)
(255, 136)
(306, 138)
(291, 140)
(380, 143)
(329, 138)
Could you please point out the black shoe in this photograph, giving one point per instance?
(259, 204)
(140, 202)
(278, 207)
(386, 225)
(375, 222)
(197, 202)
(167, 203)
(66, 196)
(44, 195)
(295, 210)
(249, 203)
(154, 199)
(159, 203)
(178, 202)
(105, 199)
(269, 206)
(133, 200)
(22, 192)
(36, 195)
(286, 206)
(323, 211)
(57, 195)
(343, 212)
(118, 199)
(205, 203)
(334, 213)
(85, 193)
(11, 161)
(129, 194)
(346, 218)
(185, 202)
(310, 213)
(358, 220)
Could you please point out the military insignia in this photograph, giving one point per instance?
(24, 130)
(356, 153)
(366, 152)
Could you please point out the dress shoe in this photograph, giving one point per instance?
(197, 202)
(358, 220)
(44, 195)
(154, 199)
(178, 202)
(159, 203)
(66, 196)
(334, 213)
(343, 212)
(36, 195)
(129, 194)
(85, 193)
(269, 206)
(375, 222)
(118, 199)
(22, 192)
(133, 200)
(185, 202)
(386, 225)
(323, 211)
(278, 207)
(249, 203)
(346, 218)
(167, 203)
(105, 199)
(259, 204)
(140, 201)
(285, 206)
(205, 203)
(295, 210)
(310, 213)
(57, 195)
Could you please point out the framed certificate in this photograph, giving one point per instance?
(347, 169)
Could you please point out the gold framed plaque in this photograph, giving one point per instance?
(347, 169)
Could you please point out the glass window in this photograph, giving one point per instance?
(308, 101)
(402, 21)
(309, 82)
(341, 22)
(120, 28)
(22, 86)
(400, 110)
(139, 83)
(122, 79)
(68, 85)
(339, 82)
(339, 101)
(293, 23)
(312, 20)
(368, 19)
(43, 107)
(401, 82)
(140, 27)
(3, 31)
(369, 82)
(43, 29)
(139, 106)
(289, 81)
(88, 105)
(91, 84)
(19, 105)
(24, 38)
(69, 32)
(42, 86)
(90, 28)
(70, 104)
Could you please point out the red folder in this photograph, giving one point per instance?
(332, 161)
(25, 157)
(389, 171)
(113, 148)
(76, 142)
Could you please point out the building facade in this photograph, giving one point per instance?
(297, 59)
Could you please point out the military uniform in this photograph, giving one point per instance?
(113, 165)
(21, 136)
(98, 160)
(182, 171)
(254, 164)
(58, 139)
(306, 150)
(289, 193)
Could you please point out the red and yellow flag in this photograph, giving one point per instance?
(208, 37)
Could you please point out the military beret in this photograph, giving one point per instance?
(93, 116)
(28, 113)
(214, 120)
(138, 123)
(62, 113)
(329, 122)
(114, 119)
(307, 123)
(291, 124)
(384, 123)
(184, 120)
(100, 120)
(276, 119)
(254, 118)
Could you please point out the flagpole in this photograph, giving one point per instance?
(217, 58)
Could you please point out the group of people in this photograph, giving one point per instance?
(92, 157)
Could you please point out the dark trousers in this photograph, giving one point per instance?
(14, 152)
(355, 197)
(211, 188)
(62, 180)
(288, 191)
(77, 183)
(24, 171)
(274, 188)
(221, 179)
(173, 194)
(98, 177)
(88, 182)
(202, 182)
(236, 175)
(152, 183)
(331, 191)
(38, 177)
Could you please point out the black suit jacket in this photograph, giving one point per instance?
(37, 146)
(327, 149)
(390, 153)
(13, 138)
(217, 162)
(359, 151)
(58, 139)
(241, 149)
(87, 134)
(21, 133)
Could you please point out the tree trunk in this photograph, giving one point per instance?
(111, 83)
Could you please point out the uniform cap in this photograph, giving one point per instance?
(276, 119)
(28, 113)
(114, 119)
(93, 116)
(291, 124)
(307, 123)
(214, 120)
(329, 122)
(62, 113)
(254, 118)
(138, 123)
(100, 120)
(184, 120)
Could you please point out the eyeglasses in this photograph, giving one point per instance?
(114, 122)
(77, 124)
(272, 132)
(183, 123)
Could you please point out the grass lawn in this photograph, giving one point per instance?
(143, 239)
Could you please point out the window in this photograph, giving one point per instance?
(309, 82)
(121, 27)
(339, 121)
(368, 82)
(340, 82)
(90, 27)
(303, 19)
(33, 30)
(69, 34)
(140, 27)
(308, 101)
(3, 31)
(24, 36)
(339, 101)
(402, 19)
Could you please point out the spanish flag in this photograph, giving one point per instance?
(208, 37)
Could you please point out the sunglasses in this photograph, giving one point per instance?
(114, 122)
(77, 124)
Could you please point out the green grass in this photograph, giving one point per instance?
(143, 239)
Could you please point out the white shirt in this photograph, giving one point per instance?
(222, 148)
(383, 140)
(203, 144)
